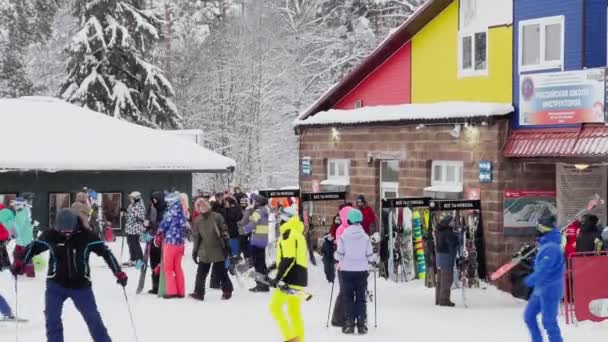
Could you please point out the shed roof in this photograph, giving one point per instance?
(48, 134)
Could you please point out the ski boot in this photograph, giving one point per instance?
(197, 296)
(260, 288)
(361, 327)
(226, 295)
(348, 328)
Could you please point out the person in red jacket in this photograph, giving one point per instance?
(369, 216)
(571, 234)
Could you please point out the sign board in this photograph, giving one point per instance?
(306, 166)
(456, 205)
(324, 196)
(523, 208)
(280, 193)
(406, 202)
(485, 171)
(562, 98)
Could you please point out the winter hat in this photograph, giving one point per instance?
(136, 195)
(590, 220)
(287, 213)
(446, 221)
(261, 201)
(92, 194)
(361, 198)
(66, 221)
(355, 216)
(172, 197)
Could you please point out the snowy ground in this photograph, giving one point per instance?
(406, 312)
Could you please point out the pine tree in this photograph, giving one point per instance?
(109, 68)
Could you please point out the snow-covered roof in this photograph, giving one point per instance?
(48, 134)
(407, 112)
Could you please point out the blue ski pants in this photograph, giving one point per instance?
(354, 287)
(84, 301)
(547, 306)
(5, 309)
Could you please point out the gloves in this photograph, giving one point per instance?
(195, 256)
(158, 239)
(121, 278)
(17, 267)
(147, 237)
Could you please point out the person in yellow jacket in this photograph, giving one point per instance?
(292, 271)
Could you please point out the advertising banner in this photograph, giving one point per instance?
(562, 98)
(522, 209)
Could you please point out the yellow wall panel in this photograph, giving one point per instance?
(435, 64)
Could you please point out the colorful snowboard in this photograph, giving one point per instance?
(419, 248)
(407, 245)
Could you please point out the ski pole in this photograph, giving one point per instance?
(331, 298)
(16, 308)
(375, 301)
(124, 291)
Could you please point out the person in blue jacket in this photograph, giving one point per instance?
(547, 281)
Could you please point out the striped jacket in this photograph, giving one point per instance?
(258, 227)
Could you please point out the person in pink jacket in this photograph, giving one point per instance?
(338, 315)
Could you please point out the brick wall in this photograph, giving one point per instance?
(418, 148)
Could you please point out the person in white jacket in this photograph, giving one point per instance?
(354, 253)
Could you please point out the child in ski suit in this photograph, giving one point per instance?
(292, 266)
(547, 281)
(355, 253)
(172, 232)
(24, 232)
(70, 245)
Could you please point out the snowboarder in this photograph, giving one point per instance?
(355, 253)
(24, 232)
(210, 250)
(447, 243)
(156, 212)
(172, 233)
(590, 235)
(547, 281)
(69, 273)
(258, 227)
(369, 216)
(337, 319)
(292, 271)
(83, 207)
(134, 227)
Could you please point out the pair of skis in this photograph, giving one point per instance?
(506, 268)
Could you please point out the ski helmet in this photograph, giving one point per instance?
(287, 213)
(355, 216)
(66, 221)
(92, 194)
(546, 223)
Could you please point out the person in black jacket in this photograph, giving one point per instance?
(446, 241)
(232, 215)
(69, 273)
(589, 235)
(156, 211)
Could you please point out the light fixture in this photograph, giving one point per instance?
(419, 127)
(484, 123)
(456, 131)
(581, 167)
(335, 134)
(466, 124)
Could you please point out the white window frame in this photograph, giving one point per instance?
(345, 162)
(444, 164)
(472, 72)
(388, 186)
(543, 23)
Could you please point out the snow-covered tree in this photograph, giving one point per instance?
(109, 67)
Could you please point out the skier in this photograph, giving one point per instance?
(369, 216)
(156, 212)
(547, 281)
(572, 232)
(590, 235)
(337, 319)
(355, 253)
(258, 227)
(24, 232)
(172, 233)
(69, 273)
(292, 271)
(210, 250)
(447, 242)
(83, 207)
(134, 228)
(232, 216)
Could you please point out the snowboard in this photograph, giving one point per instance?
(13, 320)
(407, 245)
(143, 268)
(418, 245)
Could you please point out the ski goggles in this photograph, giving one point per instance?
(541, 228)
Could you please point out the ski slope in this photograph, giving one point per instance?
(405, 312)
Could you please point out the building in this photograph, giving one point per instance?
(53, 149)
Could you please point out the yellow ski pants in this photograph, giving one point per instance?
(292, 324)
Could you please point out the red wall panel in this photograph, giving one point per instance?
(388, 85)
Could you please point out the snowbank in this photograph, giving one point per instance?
(48, 134)
(407, 112)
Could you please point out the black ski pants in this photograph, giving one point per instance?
(218, 270)
(135, 251)
(155, 256)
(259, 262)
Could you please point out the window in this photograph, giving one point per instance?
(541, 43)
(473, 54)
(389, 178)
(57, 201)
(337, 169)
(447, 173)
